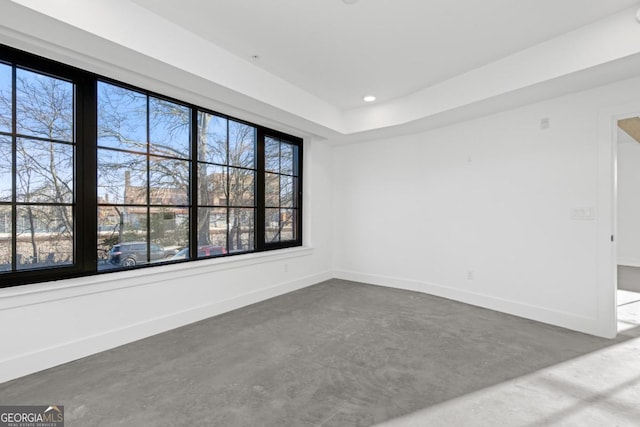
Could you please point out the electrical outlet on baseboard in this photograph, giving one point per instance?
(470, 274)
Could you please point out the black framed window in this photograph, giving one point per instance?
(97, 175)
(143, 152)
(37, 172)
(282, 185)
(227, 168)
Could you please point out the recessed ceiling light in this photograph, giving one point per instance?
(350, 1)
(369, 98)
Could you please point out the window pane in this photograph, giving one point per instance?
(109, 232)
(44, 172)
(241, 187)
(6, 98)
(44, 236)
(280, 225)
(122, 230)
(169, 230)
(288, 220)
(287, 158)
(272, 189)
(122, 177)
(212, 185)
(169, 182)
(242, 143)
(122, 118)
(212, 138)
(44, 106)
(5, 169)
(241, 232)
(272, 225)
(6, 241)
(132, 222)
(118, 225)
(286, 191)
(212, 227)
(272, 155)
(169, 127)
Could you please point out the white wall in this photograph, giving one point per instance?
(47, 324)
(490, 198)
(628, 200)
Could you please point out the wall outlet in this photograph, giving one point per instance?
(470, 274)
(286, 268)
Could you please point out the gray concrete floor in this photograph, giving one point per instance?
(347, 354)
(629, 278)
(628, 311)
(628, 298)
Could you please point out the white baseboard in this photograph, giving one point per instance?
(566, 320)
(629, 262)
(26, 364)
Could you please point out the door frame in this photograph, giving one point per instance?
(607, 214)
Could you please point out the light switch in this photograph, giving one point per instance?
(584, 213)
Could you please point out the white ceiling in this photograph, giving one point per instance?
(389, 48)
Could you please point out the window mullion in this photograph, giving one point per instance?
(227, 184)
(86, 201)
(260, 203)
(14, 172)
(193, 182)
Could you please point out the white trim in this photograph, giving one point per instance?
(607, 207)
(558, 318)
(25, 364)
(38, 293)
(606, 274)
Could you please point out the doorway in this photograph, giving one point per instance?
(628, 222)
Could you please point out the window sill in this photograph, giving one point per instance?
(38, 293)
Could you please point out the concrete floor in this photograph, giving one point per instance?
(347, 354)
(629, 278)
(628, 298)
(628, 311)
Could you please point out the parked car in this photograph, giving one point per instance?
(182, 254)
(210, 250)
(128, 254)
(203, 251)
(170, 251)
